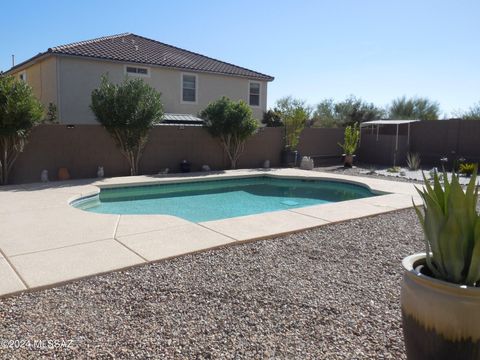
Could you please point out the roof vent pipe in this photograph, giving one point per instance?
(13, 60)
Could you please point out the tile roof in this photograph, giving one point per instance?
(138, 49)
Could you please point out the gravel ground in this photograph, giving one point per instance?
(327, 293)
(363, 170)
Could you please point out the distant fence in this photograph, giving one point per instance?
(433, 140)
(83, 148)
(452, 139)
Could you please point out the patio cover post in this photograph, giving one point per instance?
(396, 149)
(360, 137)
(408, 136)
(396, 140)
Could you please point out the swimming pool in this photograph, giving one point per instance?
(221, 199)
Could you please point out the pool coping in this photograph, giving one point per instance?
(62, 243)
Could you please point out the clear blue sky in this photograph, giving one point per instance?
(374, 49)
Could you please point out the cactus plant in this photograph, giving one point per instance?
(451, 225)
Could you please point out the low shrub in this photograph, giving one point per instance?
(394, 169)
(467, 169)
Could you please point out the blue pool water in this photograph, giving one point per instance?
(220, 199)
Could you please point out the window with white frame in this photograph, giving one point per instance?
(254, 94)
(23, 76)
(136, 70)
(189, 88)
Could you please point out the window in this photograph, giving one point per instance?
(254, 94)
(189, 88)
(23, 76)
(138, 71)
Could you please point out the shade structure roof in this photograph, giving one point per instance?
(387, 122)
(181, 119)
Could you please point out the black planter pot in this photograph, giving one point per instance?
(185, 166)
(290, 158)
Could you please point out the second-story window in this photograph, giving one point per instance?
(254, 94)
(189, 88)
(23, 76)
(135, 70)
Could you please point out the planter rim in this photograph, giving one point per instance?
(442, 285)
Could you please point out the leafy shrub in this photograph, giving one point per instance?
(272, 118)
(413, 161)
(351, 138)
(294, 115)
(467, 169)
(127, 111)
(20, 111)
(294, 124)
(232, 123)
(451, 226)
(394, 169)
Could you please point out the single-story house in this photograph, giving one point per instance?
(66, 75)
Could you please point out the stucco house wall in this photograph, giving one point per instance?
(41, 75)
(66, 75)
(78, 77)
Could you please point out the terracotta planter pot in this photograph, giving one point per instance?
(348, 160)
(63, 174)
(441, 320)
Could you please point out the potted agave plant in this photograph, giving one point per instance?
(440, 296)
(350, 143)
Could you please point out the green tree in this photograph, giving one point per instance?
(416, 108)
(473, 113)
(354, 110)
(287, 105)
(348, 112)
(295, 114)
(128, 111)
(272, 118)
(20, 111)
(294, 122)
(232, 123)
(324, 115)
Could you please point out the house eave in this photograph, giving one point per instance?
(145, 63)
(24, 64)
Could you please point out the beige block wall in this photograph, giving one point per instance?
(42, 77)
(78, 77)
(83, 148)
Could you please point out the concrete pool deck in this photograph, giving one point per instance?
(45, 241)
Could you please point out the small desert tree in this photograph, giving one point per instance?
(128, 111)
(414, 108)
(473, 113)
(295, 122)
(294, 114)
(352, 110)
(232, 123)
(20, 111)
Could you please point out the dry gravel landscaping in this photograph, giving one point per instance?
(328, 293)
